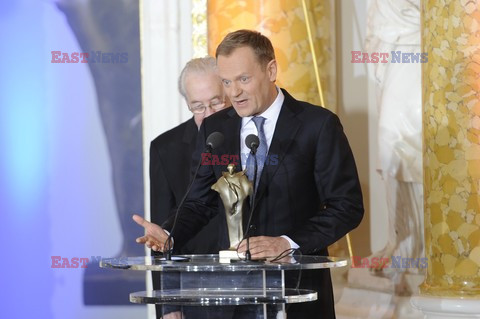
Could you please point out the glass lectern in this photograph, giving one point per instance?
(257, 287)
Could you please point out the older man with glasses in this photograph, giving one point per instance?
(171, 153)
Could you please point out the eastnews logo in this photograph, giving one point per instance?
(383, 57)
(92, 57)
(225, 159)
(386, 262)
(80, 262)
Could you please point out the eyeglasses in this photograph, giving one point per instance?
(215, 105)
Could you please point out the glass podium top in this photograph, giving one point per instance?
(196, 263)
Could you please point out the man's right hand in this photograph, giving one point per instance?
(155, 237)
(173, 315)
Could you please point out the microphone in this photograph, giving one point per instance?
(252, 141)
(214, 140)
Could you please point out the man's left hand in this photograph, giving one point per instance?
(265, 246)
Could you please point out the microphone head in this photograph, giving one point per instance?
(252, 141)
(214, 140)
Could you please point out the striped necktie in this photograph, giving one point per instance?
(261, 151)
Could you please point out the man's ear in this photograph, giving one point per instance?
(272, 70)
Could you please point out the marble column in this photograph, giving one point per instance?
(285, 24)
(451, 128)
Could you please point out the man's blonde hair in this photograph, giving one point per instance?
(260, 44)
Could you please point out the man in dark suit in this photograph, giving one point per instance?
(171, 155)
(171, 152)
(308, 197)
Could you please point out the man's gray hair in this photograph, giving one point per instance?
(198, 65)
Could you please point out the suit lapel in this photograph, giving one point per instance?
(285, 130)
(187, 149)
(190, 133)
(231, 146)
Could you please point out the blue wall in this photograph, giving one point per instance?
(24, 220)
(56, 194)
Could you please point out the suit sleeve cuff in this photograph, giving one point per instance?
(168, 233)
(293, 244)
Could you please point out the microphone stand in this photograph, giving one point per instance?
(168, 242)
(214, 140)
(248, 255)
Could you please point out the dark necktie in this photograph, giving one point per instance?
(261, 151)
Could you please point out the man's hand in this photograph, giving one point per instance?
(265, 247)
(155, 237)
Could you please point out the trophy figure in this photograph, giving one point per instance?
(234, 188)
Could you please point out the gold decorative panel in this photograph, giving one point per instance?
(199, 28)
(451, 91)
(283, 21)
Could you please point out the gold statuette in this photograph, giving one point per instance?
(233, 188)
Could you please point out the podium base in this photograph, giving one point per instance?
(446, 307)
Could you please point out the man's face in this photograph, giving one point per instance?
(204, 90)
(249, 86)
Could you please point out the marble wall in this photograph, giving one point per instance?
(451, 87)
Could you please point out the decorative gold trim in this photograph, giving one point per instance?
(314, 56)
(199, 28)
(349, 245)
(320, 92)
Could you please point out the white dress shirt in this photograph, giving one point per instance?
(248, 126)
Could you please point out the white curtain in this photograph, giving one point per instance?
(166, 45)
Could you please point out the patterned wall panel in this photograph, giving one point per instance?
(451, 91)
(285, 24)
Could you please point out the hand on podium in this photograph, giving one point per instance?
(155, 237)
(265, 246)
(173, 315)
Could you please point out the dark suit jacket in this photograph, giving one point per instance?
(170, 171)
(311, 193)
